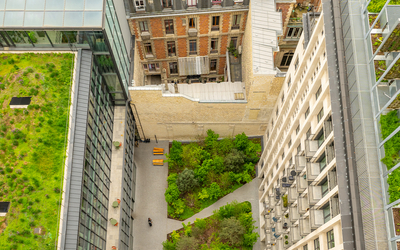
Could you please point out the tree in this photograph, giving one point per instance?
(214, 191)
(232, 231)
(186, 181)
(175, 155)
(241, 141)
(187, 243)
(234, 161)
(211, 139)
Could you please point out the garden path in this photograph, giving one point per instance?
(151, 182)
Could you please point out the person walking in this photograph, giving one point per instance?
(150, 222)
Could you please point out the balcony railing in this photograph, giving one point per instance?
(330, 153)
(314, 194)
(313, 170)
(311, 147)
(301, 183)
(327, 128)
(332, 179)
(294, 234)
(304, 226)
(334, 206)
(300, 162)
(316, 218)
(292, 194)
(293, 214)
(302, 205)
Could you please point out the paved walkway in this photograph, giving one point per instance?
(151, 182)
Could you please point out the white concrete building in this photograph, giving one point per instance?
(299, 201)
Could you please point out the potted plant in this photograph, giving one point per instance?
(114, 222)
(117, 144)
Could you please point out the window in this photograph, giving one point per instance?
(322, 163)
(320, 114)
(171, 48)
(192, 47)
(283, 156)
(299, 149)
(143, 26)
(308, 133)
(331, 239)
(294, 32)
(296, 65)
(305, 247)
(277, 165)
(216, 2)
(283, 98)
(324, 188)
(289, 82)
(167, 3)
(139, 4)
(147, 49)
(318, 93)
(286, 59)
(215, 23)
(307, 113)
(289, 143)
(277, 113)
(213, 65)
(316, 244)
(298, 129)
(192, 3)
(327, 213)
(145, 66)
(234, 41)
(169, 26)
(235, 22)
(153, 66)
(173, 68)
(214, 45)
(290, 161)
(192, 22)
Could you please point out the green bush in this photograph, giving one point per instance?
(232, 231)
(175, 155)
(375, 6)
(389, 123)
(186, 181)
(234, 161)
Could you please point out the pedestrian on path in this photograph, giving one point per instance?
(150, 222)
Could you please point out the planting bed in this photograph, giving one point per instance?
(231, 227)
(202, 172)
(396, 219)
(32, 147)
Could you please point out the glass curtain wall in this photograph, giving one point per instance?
(96, 176)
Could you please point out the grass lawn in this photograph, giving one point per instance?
(32, 146)
(231, 227)
(202, 172)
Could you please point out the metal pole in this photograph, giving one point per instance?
(156, 138)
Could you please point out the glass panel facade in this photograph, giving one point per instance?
(51, 13)
(95, 190)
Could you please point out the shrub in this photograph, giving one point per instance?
(234, 161)
(187, 243)
(389, 123)
(57, 190)
(191, 155)
(232, 231)
(9, 170)
(186, 181)
(241, 141)
(214, 191)
(172, 193)
(175, 155)
(200, 223)
(211, 140)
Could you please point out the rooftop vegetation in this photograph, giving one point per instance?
(202, 172)
(389, 123)
(375, 6)
(32, 147)
(231, 227)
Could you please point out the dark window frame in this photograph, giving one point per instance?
(236, 22)
(143, 26)
(171, 48)
(166, 3)
(192, 52)
(173, 68)
(148, 49)
(212, 61)
(169, 26)
(287, 59)
(192, 23)
(215, 22)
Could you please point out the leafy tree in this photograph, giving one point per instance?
(187, 243)
(241, 141)
(218, 164)
(211, 140)
(186, 181)
(234, 161)
(214, 191)
(252, 152)
(201, 172)
(249, 239)
(225, 146)
(232, 231)
(175, 155)
(172, 193)
(192, 155)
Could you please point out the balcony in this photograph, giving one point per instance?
(304, 226)
(332, 179)
(278, 211)
(301, 183)
(314, 194)
(300, 162)
(292, 194)
(285, 182)
(293, 214)
(313, 170)
(328, 128)
(311, 147)
(294, 234)
(145, 35)
(334, 201)
(279, 227)
(264, 207)
(272, 201)
(330, 153)
(192, 32)
(316, 218)
(302, 205)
